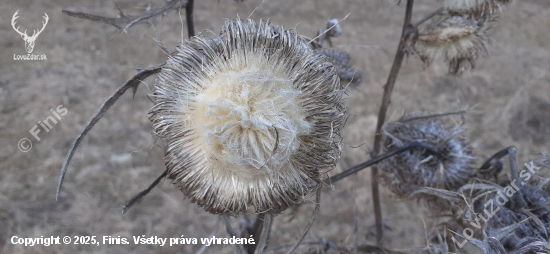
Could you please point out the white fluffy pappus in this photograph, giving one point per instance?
(251, 118)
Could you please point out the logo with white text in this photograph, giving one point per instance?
(29, 40)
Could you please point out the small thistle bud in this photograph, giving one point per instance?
(476, 8)
(411, 170)
(336, 30)
(251, 118)
(341, 61)
(457, 39)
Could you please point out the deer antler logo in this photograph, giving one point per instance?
(29, 40)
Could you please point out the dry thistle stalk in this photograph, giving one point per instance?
(251, 118)
(409, 171)
(457, 39)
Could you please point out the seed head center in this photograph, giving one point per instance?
(244, 115)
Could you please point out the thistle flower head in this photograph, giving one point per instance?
(457, 39)
(251, 118)
(411, 170)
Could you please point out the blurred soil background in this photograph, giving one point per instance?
(508, 97)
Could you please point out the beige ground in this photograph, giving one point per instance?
(88, 61)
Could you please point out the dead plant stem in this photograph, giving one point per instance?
(388, 88)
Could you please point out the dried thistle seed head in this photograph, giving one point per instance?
(411, 170)
(251, 118)
(476, 8)
(536, 193)
(492, 207)
(488, 209)
(457, 39)
(341, 61)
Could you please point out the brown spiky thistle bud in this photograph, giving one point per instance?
(251, 118)
(406, 172)
(342, 62)
(457, 39)
(476, 8)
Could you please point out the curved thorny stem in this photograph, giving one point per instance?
(124, 21)
(132, 83)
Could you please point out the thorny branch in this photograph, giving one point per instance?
(132, 83)
(123, 22)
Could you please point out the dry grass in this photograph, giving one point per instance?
(85, 65)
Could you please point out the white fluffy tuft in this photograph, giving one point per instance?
(251, 118)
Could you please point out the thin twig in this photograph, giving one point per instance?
(415, 144)
(256, 232)
(311, 220)
(161, 46)
(498, 155)
(388, 88)
(142, 194)
(326, 31)
(433, 116)
(355, 225)
(511, 152)
(132, 83)
(431, 15)
(518, 196)
(231, 233)
(265, 234)
(214, 231)
(189, 18)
